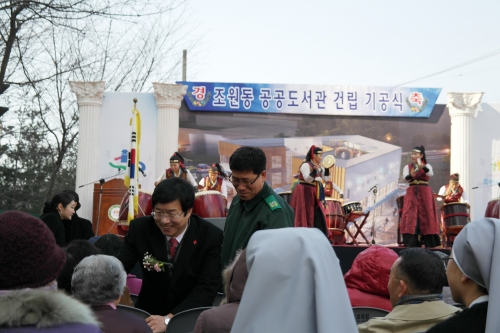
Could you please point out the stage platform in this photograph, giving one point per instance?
(347, 253)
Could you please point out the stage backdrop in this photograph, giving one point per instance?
(369, 150)
(486, 157)
(115, 131)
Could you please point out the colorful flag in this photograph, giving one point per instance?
(131, 177)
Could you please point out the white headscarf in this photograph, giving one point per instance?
(476, 251)
(295, 284)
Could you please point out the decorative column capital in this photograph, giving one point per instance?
(464, 103)
(169, 94)
(88, 93)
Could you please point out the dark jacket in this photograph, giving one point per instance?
(38, 310)
(221, 318)
(53, 220)
(471, 320)
(196, 275)
(115, 321)
(77, 228)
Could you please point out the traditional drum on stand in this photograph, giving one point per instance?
(400, 203)
(209, 204)
(350, 207)
(455, 218)
(335, 218)
(286, 196)
(145, 209)
(493, 209)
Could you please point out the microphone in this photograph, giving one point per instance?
(373, 187)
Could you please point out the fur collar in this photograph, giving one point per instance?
(43, 308)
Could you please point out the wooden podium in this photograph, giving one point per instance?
(113, 192)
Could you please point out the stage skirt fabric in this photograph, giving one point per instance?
(309, 212)
(419, 204)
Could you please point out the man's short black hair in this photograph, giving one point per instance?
(248, 159)
(423, 270)
(174, 188)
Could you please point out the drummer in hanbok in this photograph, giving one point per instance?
(452, 192)
(215, 181)
(177, 169)
(419, 210)
(308, 198)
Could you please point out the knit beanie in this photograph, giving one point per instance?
(29, 255)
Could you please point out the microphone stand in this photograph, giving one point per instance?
(374, 189)
(101, 182)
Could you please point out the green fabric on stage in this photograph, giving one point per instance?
(267, 210)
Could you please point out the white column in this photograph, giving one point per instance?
(168, 100)
(89, 97)
(463, 108)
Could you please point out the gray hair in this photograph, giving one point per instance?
(98, 279)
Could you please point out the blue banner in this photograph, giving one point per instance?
(311, 99)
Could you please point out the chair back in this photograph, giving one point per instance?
(363, 314)
(185, 321)
(134, 297)
(217, 221)
(135, 311)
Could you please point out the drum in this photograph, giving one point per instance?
(493, 209)
(455, 218)
(335, 218)
(209, 204)
(400, 203)
(286, 196)
(145, 209)
(351, 207)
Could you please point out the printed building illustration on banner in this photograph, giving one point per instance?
(361, 163)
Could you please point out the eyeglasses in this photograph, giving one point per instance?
(446, 260)
(245, 182)
(170, 217)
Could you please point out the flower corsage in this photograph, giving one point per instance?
(151, 263)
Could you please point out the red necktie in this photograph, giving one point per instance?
(173, 247)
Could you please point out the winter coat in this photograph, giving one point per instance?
(53, 220)
(368, 277)
(77, 228)
(38, 310)
(220, 319)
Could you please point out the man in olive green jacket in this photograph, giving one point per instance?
(256, 207)
(415, 287)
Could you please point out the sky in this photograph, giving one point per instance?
(350, 42)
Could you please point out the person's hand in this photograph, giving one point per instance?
(205, 188)
(157, 324)
(413, 174)
(156, 183)
(318, 179)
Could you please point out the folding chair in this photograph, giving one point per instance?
(185, 321)
(128, 309)
(363, 314)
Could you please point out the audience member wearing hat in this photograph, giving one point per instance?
(98, 281)
(294, 284)
(62, 206)
(30, 261)
(452, 192)
(474, 277)
(177, 169)
(77, 227)
(368, 277)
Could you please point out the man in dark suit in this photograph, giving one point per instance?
(184, 247)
